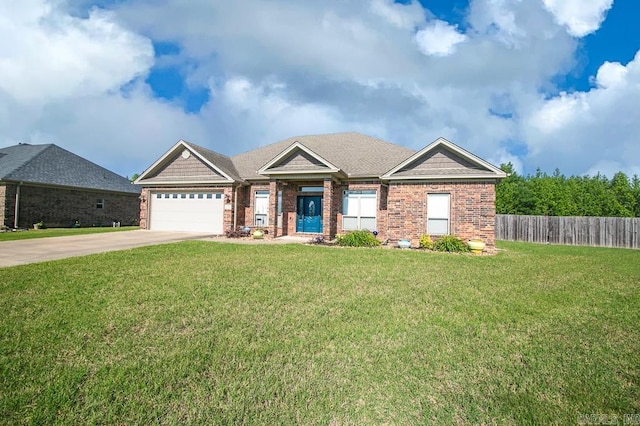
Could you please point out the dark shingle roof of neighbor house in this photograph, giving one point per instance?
(51, 165)
(355, 154)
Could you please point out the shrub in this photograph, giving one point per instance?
(361, 238)
(425, 242)
(451, 244)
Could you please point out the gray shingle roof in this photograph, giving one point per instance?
(223, 162)
(355, 154)
(51, 165)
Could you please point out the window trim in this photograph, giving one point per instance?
(100, 203)
(359, 216)
(264, 217)
(438, 218)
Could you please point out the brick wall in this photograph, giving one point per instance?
(58, 207)
(472, 210)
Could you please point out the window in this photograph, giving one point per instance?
(183, 195)
(100, 203)
(279, 209)
(200, 196)
(209, 196)
(311, 189)
(158, 195)
(192, 196)
(261, 208)
(438, 214)
(359, 210)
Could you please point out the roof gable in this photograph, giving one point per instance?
(189, 163)
(443, 159)
(297, 159)
(354, 154)
(51, 165)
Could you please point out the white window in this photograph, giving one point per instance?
(311, 189)
(100, 203)
(438, 214)
(279, 209)
(261, 209)
(359, 210)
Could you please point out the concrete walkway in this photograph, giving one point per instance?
(21, 252)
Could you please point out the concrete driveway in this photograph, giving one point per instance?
(21, 252)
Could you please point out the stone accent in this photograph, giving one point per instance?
(62, 207)
(472, 210)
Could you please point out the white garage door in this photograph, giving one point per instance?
(187, 211)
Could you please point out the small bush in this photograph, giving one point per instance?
(361, 238)
(425, 242)
(451, 244)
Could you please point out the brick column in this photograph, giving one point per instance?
(273, 208)
(144, 208)
(328, 213)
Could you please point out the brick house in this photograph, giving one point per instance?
(324, 185)
(49, 184)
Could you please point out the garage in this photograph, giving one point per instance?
(187, 211)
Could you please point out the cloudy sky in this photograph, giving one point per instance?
(541, 83)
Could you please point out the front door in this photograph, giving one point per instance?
(309, 214)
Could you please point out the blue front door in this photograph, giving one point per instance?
(309, 214)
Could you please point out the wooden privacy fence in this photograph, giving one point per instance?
(588, 231)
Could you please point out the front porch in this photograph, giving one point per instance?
(302, 208)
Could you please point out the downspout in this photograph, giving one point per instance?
(17, 207)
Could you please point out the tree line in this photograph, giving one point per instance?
(558, 195)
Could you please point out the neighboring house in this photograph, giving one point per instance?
(49, 184)
(324, 185)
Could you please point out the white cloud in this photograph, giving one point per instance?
(405, 16)
(280, 68)
(439, 39)
(611, 74)
(592, 130)
(47, 54)
(560, 112)
(581, 17)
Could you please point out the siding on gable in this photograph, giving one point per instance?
(440, 162)
(299, 160)
(180, 169)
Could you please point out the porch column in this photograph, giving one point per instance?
(328, 212)
(273, 208)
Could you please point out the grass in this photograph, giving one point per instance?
(58, 232)
(213, 333)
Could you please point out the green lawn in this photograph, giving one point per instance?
(58, 232)
(212, 333)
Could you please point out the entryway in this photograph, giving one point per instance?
(309, 217)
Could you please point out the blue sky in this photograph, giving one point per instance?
(541, 83)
